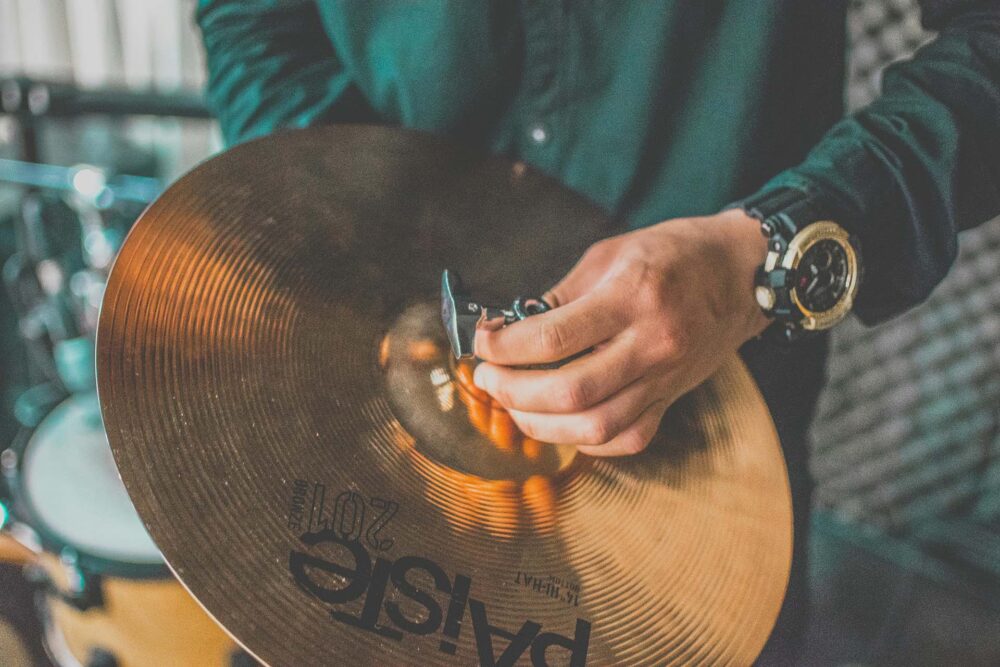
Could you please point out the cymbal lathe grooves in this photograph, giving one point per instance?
(296, 434)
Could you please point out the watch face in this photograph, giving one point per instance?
(822, 276)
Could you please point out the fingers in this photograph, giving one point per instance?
(556, 334)
(571, 388)
(633, 439)
(593, 426)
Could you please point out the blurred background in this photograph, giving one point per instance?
(100, 109)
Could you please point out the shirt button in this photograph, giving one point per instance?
(538, 133)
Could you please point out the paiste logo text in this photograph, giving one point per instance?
(412, 595)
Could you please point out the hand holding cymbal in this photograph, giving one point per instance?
(305, 449)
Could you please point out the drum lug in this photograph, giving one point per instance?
(101, 658)
(8, 462)
(84, 591)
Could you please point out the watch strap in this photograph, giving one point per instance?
(782, 213)
(779, 210)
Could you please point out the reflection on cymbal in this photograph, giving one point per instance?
(333, 488)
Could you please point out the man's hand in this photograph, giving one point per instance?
(661, 308)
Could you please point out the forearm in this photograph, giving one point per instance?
(919, 164)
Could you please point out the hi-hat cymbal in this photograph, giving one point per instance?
(288, 418)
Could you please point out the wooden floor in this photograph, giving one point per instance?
(20, 631)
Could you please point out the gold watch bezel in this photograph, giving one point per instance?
(812, 234)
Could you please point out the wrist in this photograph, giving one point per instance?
(746, 249)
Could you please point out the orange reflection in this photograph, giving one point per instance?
(423, 349)
(383, 350)
(539, 498)
(502, 508)
(489, 417)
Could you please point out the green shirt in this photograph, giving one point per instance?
(653, 109)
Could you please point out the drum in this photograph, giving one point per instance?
(108, 598)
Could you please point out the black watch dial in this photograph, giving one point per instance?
(822, 276)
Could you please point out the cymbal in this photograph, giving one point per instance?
(319, 472)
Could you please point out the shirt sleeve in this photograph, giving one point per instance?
(919, 164)
(271, 65)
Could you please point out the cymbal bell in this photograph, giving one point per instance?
(318, 471)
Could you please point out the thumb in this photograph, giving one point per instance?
(584, 276)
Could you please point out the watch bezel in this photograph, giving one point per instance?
(806, 238)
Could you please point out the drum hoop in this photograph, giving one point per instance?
(53, 639)
(88, 563)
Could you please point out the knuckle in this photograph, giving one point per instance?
(602, 249)
(668, 348)
(674, 344)
(596, 431)
(552, 339)
(574, 395)
(632, 443)
(644, 259)
(595, 251)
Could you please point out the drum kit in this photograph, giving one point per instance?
(106, 591)
(307, 455)
(104, 594)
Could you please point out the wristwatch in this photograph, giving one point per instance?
(813, 267)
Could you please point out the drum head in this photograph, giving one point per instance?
(72, 488)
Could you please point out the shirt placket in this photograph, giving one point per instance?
(543, 22)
